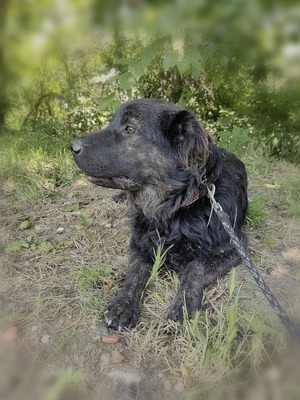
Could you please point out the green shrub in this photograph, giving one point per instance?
(275, 115)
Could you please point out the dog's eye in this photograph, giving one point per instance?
(129, 129)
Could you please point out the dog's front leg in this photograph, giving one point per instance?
(124, 310)
(195, 279)
(190, 293)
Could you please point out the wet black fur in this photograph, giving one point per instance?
(162, 160)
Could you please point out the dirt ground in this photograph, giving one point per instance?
(51, 291)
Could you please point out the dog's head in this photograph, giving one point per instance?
(147, 142)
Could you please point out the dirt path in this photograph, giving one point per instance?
(58, 272)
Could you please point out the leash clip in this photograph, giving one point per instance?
(211, 189)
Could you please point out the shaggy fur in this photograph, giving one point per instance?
(163, 158)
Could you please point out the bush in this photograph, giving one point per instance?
(275, 115)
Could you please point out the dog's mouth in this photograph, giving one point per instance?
(117, 182)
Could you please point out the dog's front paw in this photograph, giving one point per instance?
(122, 313)
(175, 313)
(180, 310)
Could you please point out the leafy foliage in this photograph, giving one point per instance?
(220, 63)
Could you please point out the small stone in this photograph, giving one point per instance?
(292, 254)
(103, 330)
(167, 385)
(286, 255)
(110, 339)
(60, 230)
(107, 226)
(117, 357)
(39, 229)
(128, 376)
(10, 335)
(45, 339)
(179, 386)
(76, 213)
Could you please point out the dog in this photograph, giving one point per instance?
(165, 160)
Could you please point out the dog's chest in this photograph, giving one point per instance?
(177, 240)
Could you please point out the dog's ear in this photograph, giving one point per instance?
(189, 139)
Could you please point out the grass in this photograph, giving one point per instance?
(36, 166)
(93, 285)
(64, 380)
(257, 212)
(54, 279)
(221, 342)
(292, 194)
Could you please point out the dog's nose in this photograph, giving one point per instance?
(76, 147)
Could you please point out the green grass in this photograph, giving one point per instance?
(63, 380)
(292, 194)
(258, 211)
(92, 283)
(34, 164)
(217, 346)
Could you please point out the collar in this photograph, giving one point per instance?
(190, 200)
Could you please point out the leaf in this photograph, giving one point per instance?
(137, 69)
(216, 81)
(232, 281)
(224, 61)
(272, 185)
(195, 328)
(195, 73)
(46, 246)
(127, 80)
(181, 102)
(225, 120)
(232, 322)
(72, 207)
(196, 64)
(107, 101)
(188, 383)
(183, 66)
(225, 135)
(148, 54)
(25, 225)
(17, 245)
(170, 60)
(258, 326)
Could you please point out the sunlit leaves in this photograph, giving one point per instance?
(170, 59)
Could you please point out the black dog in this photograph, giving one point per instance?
(162, 156)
